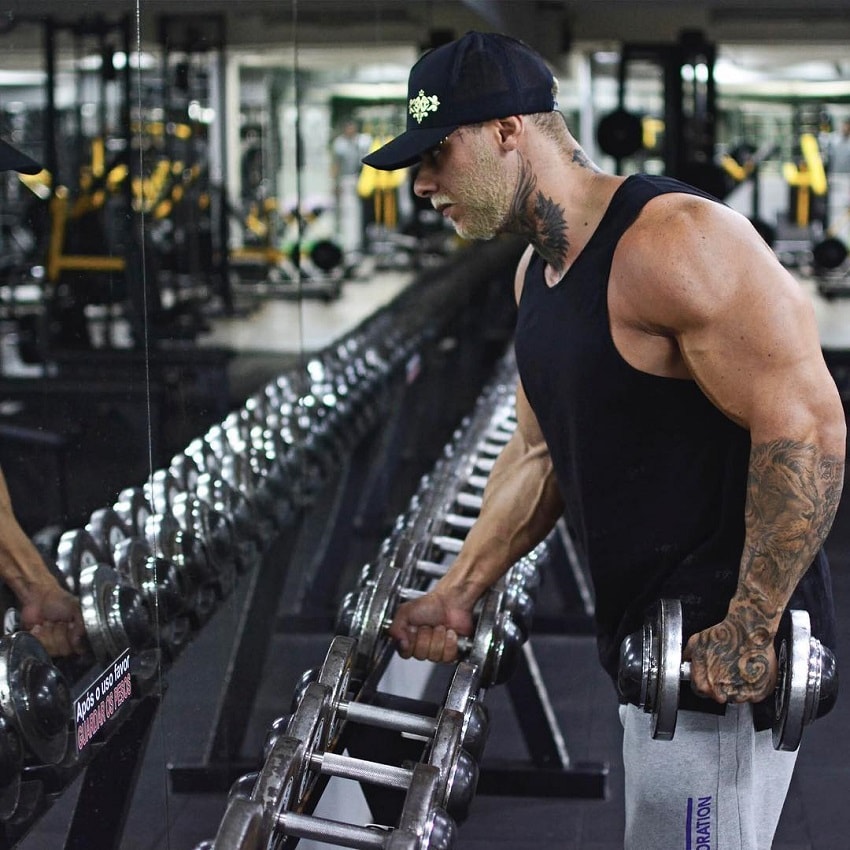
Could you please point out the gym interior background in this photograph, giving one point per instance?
(244, 382)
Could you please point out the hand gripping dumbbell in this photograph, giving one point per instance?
(283, 785)
(367, 615)
(651, 672)
(336, 673)
(114, 613)
(265, 820)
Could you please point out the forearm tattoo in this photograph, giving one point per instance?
(792, 496)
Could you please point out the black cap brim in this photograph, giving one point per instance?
(406, 150)
(12, 159)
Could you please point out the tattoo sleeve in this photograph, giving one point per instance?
(792, 496)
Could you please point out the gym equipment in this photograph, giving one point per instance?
(367, 615)
(248, 825)
(34, 697)
(652, 670)
(114, 614)
(461, 697)
(314, 716)
(77, 548)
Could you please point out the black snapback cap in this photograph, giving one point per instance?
(12, 159)
(475, 78)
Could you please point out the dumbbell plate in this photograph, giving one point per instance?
(20, 653)
(241, 827)
(335, 673)
(668, 637)
(277, 786)
(796, 691)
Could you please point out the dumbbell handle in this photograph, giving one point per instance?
(388, 718)
(361, 770)
(330, 831)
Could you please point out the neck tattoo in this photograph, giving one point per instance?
(539, 218)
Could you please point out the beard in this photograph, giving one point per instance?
(483, 196)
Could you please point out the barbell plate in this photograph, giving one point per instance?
(793, 684)
(669, 644)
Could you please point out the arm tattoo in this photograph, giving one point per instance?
(540, 219)
(792, 496)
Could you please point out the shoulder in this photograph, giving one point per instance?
(686, 257)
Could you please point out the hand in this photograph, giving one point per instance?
(54, 616)
(427, 628)
(732, 662)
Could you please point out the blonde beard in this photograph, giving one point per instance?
(486, 197)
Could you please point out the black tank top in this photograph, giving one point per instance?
(653, 475)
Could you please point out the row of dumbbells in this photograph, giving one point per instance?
(151, 568)
(276, 803)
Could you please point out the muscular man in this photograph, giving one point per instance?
(673, 403)
(52, 614)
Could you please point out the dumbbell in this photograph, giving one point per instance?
(266, 819)
(215, 531)
(168, 540)
(336, 672)
(11, 765)
(651, 672)
(114, 613)
(159, 583)
(292, 766)
(315, 716)
(35, 699)
(367, 615)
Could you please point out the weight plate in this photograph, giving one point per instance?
(34, 696)
(108, 530)
(370, 618)
(11, 764)
(335, 673)
(310, 723)
(77, 549)
(458, 772)
(101, 616)
(162, 489)
(277, 784)
(792, 687)
(134, 508)
(185, 471)
(668, 640)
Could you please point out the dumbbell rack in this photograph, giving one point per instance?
(405, 565)
(182, 542)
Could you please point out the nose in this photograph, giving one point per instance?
(423, 182)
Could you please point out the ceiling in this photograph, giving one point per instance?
(776, 39)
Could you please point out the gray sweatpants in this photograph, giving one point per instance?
(717, 785)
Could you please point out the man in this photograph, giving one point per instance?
(673, 402)
(47, 610)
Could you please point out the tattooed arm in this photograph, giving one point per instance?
(742, 327)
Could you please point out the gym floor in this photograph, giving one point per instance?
(581, 695)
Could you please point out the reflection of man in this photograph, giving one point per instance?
(49, 612)
(839, 181)
(348, 148)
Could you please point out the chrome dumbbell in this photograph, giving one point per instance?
(367, 614)
(652, 670)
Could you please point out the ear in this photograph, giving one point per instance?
(509, 131)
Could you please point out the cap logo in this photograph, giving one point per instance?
(422, 104)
